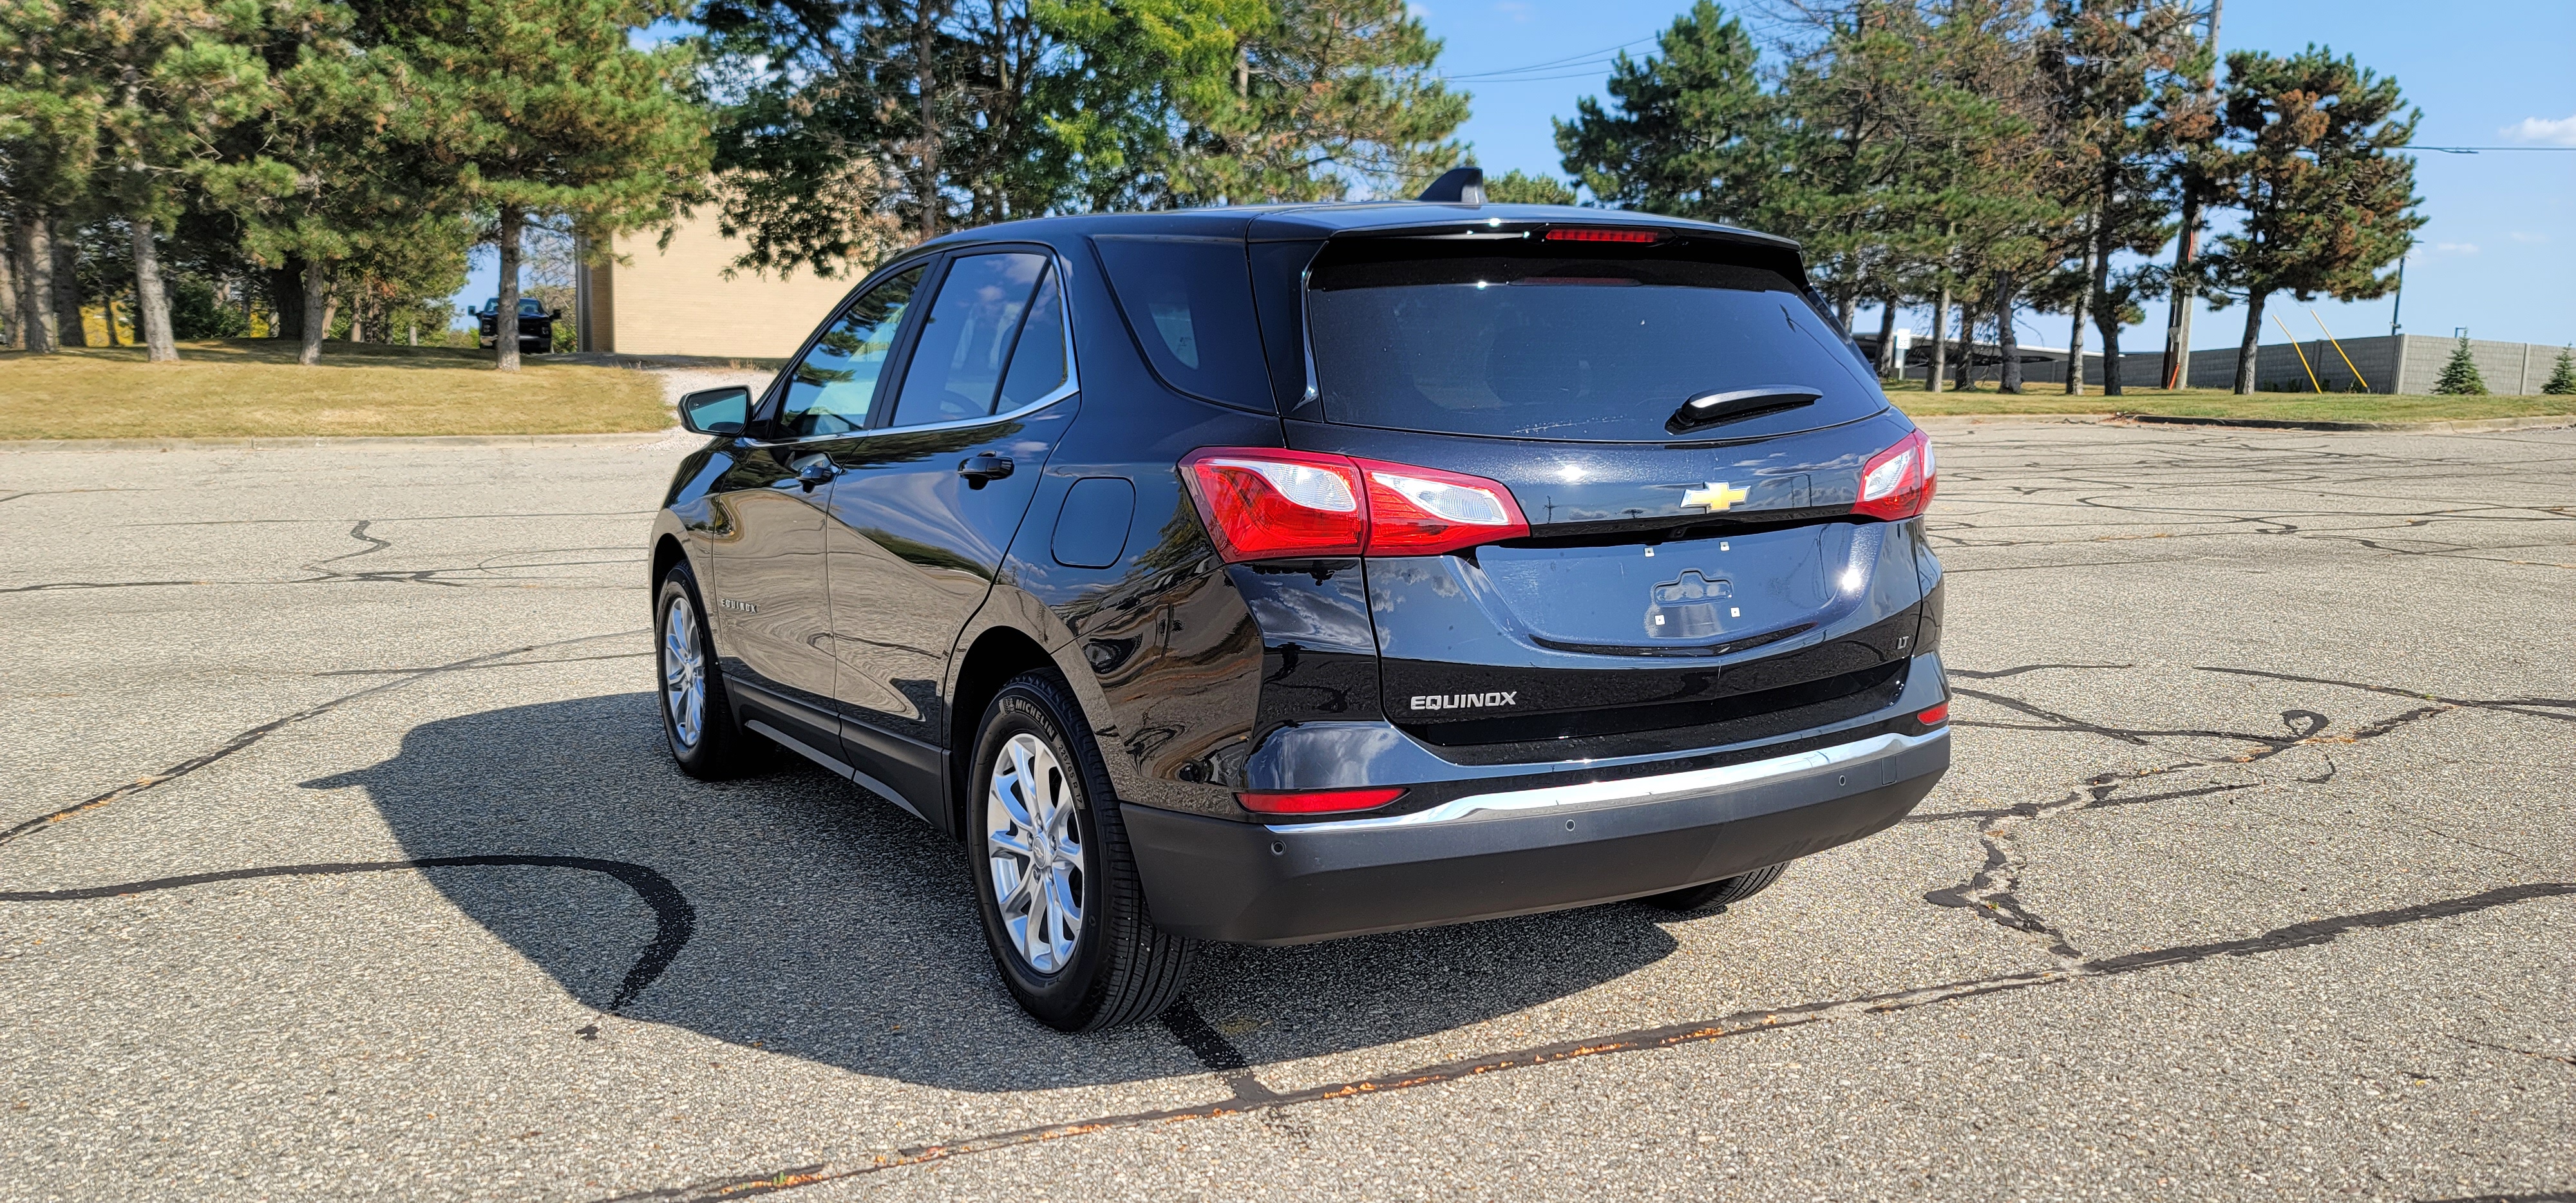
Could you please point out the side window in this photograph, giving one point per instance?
(956, 368)
(1189, 301)
(1037, 363)
(829, 390)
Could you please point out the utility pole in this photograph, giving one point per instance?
(2178, 318)
(2399, 307)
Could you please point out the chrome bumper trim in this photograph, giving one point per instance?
(1632, 790)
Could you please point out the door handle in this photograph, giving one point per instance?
(984, 466)
(816, 471)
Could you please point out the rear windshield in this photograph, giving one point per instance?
(1564, 342)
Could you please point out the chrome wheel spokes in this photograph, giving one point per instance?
(684, 673)
(1034, 843)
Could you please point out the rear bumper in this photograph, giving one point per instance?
(1513, 852)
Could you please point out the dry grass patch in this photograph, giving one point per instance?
(244, 387)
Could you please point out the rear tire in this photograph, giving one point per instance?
(1717, 894)
(697, 711)
(1064, 913)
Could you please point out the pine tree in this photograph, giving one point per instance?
(1690, 132)
(2460, 376)
(547, 111)
(2562, 379)
(2309, 161)
(1516, 188)
(1327, 94)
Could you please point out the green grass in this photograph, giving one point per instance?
(253, 387)
(2215, 403)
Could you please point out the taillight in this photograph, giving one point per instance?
(1898, 482)
(1935, 716)
(1272, 504)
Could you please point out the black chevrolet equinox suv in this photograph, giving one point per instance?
(1282, 573)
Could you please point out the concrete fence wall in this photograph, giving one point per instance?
(2408, 364)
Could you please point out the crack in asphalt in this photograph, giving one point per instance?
(674, 919)
(1741, 1023)
(1993, 889)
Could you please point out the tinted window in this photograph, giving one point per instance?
(1037, 363)
(956, 368)
(1564, 346)
(829, 390)
(1190, 304)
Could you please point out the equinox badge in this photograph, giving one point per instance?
(1461, 701)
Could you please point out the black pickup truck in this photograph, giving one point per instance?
(536, 325)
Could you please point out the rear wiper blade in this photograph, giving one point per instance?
(1716, 406)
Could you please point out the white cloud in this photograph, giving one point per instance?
(2559, 132)
(2456, 248)
(1521, 12)
(2527, 236)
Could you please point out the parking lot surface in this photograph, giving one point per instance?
(342, 859)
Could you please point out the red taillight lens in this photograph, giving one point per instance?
(1317, 802)
(1271, 504)
(1898, 482)
(1425, 512)
(1600, 235)
(1935, 716)
(1267, 504)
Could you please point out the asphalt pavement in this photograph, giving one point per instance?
(342, 860)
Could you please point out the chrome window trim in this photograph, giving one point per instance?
(1633, 790)
(1072, 371)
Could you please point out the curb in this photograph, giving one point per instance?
(2458, 425)
(294, 442)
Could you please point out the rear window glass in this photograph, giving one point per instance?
(1564, 343)
(1189, 301)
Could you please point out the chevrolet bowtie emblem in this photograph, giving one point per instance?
(1715, 496)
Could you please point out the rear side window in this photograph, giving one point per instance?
(1534, 340)
(957, 366)
(1189, 300)
(1038, 363)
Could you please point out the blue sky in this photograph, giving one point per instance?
(2498, 257)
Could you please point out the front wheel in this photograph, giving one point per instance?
(697, 714)
(1064, 913)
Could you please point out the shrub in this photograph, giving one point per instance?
(196, 312)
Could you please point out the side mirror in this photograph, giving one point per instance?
(556, 316)
(717, 410)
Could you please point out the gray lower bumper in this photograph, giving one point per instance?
(1516, 851)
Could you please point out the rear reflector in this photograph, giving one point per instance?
(1317, 802)
(1935, 716)
(1599, 235)
(1274, 504)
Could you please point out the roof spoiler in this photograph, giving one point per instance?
(1458, 185)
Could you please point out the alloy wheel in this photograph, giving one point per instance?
(1035, 849)
(684, 674)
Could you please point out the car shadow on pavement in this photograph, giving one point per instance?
(807, 917)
